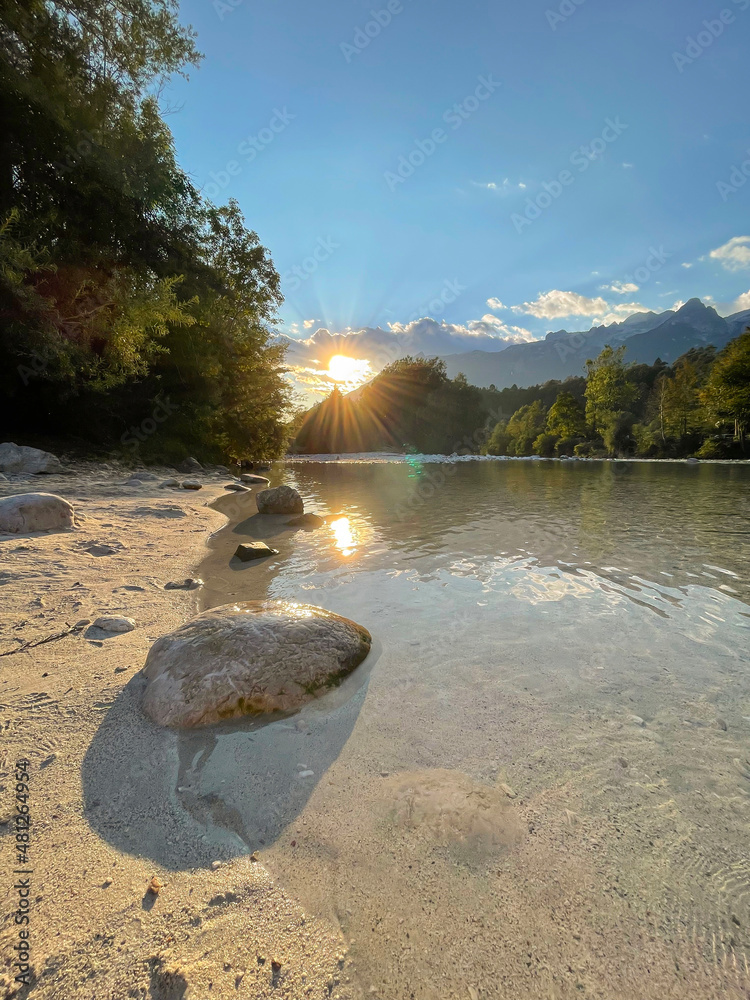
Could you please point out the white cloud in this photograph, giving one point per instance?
(740, 304)
(678, 305)
(309, 323)
(619, 312)
(687, 265)
(503, 188)
(556, 304)
(620, 287)
(627, 166)
(496, 304)
(734, 255)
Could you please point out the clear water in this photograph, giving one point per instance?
(539, 784)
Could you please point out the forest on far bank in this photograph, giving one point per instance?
(698, 406)
(134, 314)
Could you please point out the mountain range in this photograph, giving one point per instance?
(646, 337)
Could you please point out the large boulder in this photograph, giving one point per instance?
(249, 658)
(280, 500)
(18, 460)
(26, 512)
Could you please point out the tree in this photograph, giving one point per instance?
(566, 417)
(680, 399)
(524, 427)
(727, 391)
(609, 388)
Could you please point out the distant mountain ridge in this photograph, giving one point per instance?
(646, 337)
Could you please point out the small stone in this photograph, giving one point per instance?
(255, 480)
(507, 789)
(254, 550)
(637, 720)
(254, 857)
(215, 865)
(188, 584)
(101, 550)
(191, 484)
(275, 965)
(721, 724)
(155, 885)
(114, 624)
(170, 484)
(107, 883)
(237, 488)
(134, 482)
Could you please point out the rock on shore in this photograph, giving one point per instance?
(27, 512)
(18, 460)
(249, 658)
(280, 500)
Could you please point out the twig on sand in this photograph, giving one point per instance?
(48, 638)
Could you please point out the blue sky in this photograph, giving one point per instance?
(292, 115)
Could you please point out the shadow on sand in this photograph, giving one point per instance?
(188, 797)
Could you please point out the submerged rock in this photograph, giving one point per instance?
(306, 521)
(254, 550)
(280, 500)
(27, 512)
(249, 658)
(20, 460)
(256, 480)
(237, 488)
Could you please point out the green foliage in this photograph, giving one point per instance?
(609, 390)
(411, 405)
(545, 444)
(119, 286)
(566, 417)
(727, 391)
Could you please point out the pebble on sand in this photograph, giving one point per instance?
(114, 623)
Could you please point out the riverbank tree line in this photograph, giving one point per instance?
(698, 406)
(133, 312)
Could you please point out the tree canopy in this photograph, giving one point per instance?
(119, 285)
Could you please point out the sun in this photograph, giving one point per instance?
(351, 372)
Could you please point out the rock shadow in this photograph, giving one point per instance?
(185, 798)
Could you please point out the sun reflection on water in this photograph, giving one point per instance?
(343, 535)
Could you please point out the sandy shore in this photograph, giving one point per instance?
(95, 931)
